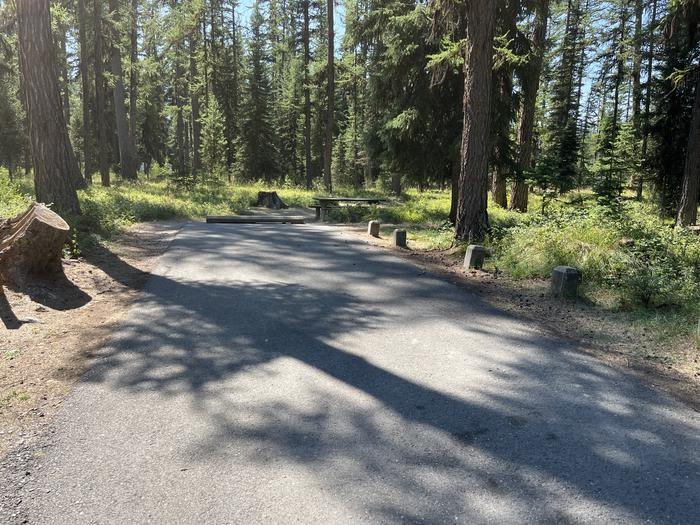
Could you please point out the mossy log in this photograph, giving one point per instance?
(31, 243)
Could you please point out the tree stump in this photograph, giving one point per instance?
(270, 199)
(31, 243)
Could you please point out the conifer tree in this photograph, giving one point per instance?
(258, 154)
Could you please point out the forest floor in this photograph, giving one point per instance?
(50, 332)
(670, 363)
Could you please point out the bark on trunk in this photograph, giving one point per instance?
(307, 99)
(688, 209)
(637, 68)
(88, 161)
(498, 190)
(270, 199)
(56, 168)
(133, 80)
(65, 91)
(79, 181)
(472, 220)
(100, 115)
(647, 96)
(396, 183)
(194, 104)
(454, 196)
(530, 86)
(31, 243)
(127, 151)
(330, 121)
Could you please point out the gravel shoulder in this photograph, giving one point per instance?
(49, 336)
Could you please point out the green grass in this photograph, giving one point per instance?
(9, 355)
(631, 260)
(13, 395)
(14, 196)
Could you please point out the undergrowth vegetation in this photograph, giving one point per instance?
(13, 198)
(631, 254)
(629, 258)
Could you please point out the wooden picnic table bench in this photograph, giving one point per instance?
(326, 203)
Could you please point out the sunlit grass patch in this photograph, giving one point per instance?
(12, 396)
(9, 355)
(14, 198)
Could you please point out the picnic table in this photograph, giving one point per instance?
(325, 203)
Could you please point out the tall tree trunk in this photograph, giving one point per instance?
(133, 78)
(502, 111)
(64, 75)
(88, 164)
(498, 189)
(194, 104)
(396, 183)
(688, 208)
(330, 121)
(530, 86)
(620, 71)
(307, 98)
(472, 219)
(65, 92)
(205, 62)
(636, 79)
(637, 68)
(180, 161)
(55, 166)
(454, 185)
(581, 64)
(100, 114)
(127, 151)
(647, 96)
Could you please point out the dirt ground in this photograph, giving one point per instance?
(675, 368)
(50, 331)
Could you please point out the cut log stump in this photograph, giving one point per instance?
(270, 199)
(31, 243)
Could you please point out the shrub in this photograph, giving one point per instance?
(13, 198)
(633, 252)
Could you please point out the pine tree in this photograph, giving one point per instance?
(213, 142)
(472, 219)
(56, 167)
(128, 164)
(530, 75)
(258, 158)
(561, 151)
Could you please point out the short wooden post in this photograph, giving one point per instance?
(475, 256)
(399, 238)
(373, 228)
(565, 281)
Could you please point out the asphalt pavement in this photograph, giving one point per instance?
(295, 374)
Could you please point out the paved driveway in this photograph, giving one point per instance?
(293, 374)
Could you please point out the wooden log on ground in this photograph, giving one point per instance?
(31, 243)
(270, 199)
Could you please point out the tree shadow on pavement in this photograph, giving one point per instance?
(479, 417)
